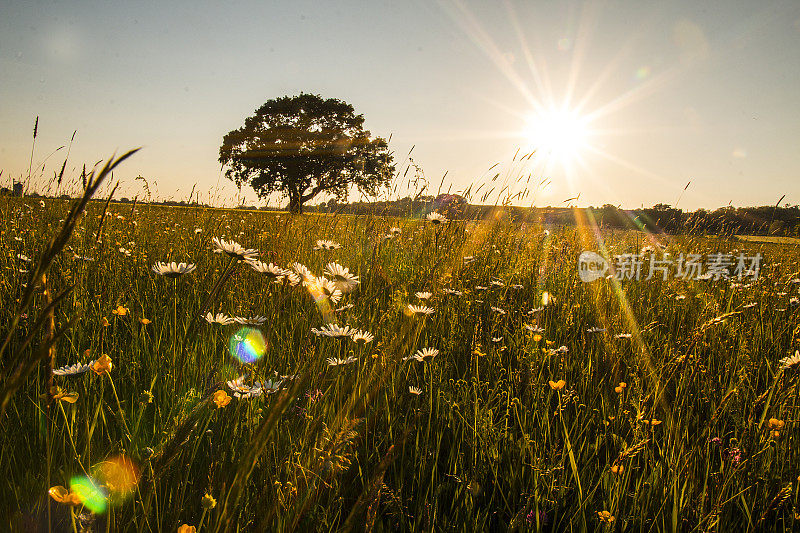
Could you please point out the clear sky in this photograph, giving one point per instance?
(626, 101)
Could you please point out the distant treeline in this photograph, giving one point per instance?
(765, 220)
(661, 218)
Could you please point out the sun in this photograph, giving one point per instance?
(559, 135)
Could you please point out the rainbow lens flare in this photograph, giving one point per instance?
(92, 495)
(247, 345)
(118, 474)
(322, 301)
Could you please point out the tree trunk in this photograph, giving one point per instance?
(295, 206)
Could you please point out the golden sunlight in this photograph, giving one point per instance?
(559, 135)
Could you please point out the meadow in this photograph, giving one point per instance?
(524, 400)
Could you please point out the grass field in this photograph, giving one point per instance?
(675, 414)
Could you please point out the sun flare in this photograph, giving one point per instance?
(560, 134)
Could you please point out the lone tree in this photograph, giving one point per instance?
(302, 146)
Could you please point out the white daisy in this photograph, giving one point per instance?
(326, 286)
(497, 283)
(423, 295)
(198, 230)
(270, 270)
(335, 361)
(595, 330)
(125, 252)
(363, 336)
(234, 249)
(560, 349)
(341, 277)
(420, 309)
(517, 286)
(793, 361)
(622, 336)
(533, 329)
(453, 292)
(327, 245)
(345, 307)
(426, 352)
(497, 339)
(250, 321)
(23, 257)
(333, 330)
(436, 218)
(173, 270)
(469, 259)
(219, 318)
(414, 390)
(302, 271)
(498, 310)
(480, 288)
(77, 368)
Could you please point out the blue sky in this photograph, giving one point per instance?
(668, 91)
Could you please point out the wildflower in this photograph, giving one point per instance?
(103, 364)
(622, 336)
(333, 330)
(327, 245)
(477, 351)
(345, 307)
(64, 396)
(185, 528)
(219, 318)
(341, 277)
(221, 398)
(735, 454)
(517, 287)
(125, 252)
(120, 311)
(144, 321)
(363, 336)
(595, 330)
(790, 363)
(605, 517)
(63, 495)
(453, 292)
(77, 368)
(436, 218)
(651, 422)
(619, 388)
(243, 391)
(198, 231)
(498, 310)
(537, 337)
(23, 257)
(250, 321)
(335, 361)
(423, 295)
(557, 385)
(302, 271)
(497, 339)
(560, 349)
(617, 469)
(425, 352)
(270, 270)
(420, 309)
(208, 502)
(414, 390)
(173, 270)
(497, 283)
(234, 249)
(480, 288)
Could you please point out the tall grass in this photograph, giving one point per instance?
(488, 445)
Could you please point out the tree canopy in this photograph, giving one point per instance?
(304, 145)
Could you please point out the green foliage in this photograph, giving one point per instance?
(304, 145)
(688, 443)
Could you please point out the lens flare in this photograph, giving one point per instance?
(118, 474)
(92, 496)
(248, 345)
(322, 301)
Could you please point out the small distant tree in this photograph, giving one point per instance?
(305, 145)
